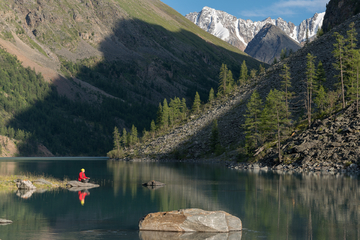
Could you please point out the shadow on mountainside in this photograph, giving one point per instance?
(142, 64)
(193, 140)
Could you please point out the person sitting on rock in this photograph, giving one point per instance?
(82, 177)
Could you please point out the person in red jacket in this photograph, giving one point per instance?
(82, 177)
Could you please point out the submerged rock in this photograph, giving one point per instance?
(154, 235)
(153, 183)
(4, 221)
(191, 220)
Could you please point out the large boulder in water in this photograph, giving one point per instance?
(191, 220)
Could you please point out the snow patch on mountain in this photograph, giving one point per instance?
(240, 32)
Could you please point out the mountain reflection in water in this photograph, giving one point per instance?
(271, 206)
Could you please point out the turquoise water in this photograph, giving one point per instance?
(271, 206)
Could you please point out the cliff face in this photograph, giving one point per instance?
(337, 11)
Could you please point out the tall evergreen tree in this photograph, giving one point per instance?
(214, 137)
(117, 140)
(320, 73)
(275, 118)
(165, 115)
(159, 116)
(124, 138)
(339, 64)
(152, 128)
(349, 61)
(310, 84)
(197, 103)
(253, 122)
(244, 75)
(134, 135)
(211, 95)
(223, 80)
(286, 84)
(183, 109)
(261, 69)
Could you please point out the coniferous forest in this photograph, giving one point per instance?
(32, 112)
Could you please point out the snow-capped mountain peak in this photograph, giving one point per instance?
(239, 32)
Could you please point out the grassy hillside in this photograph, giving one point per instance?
(132, 53)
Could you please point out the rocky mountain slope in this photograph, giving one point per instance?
(239, 32)
(339, 11)
(336, 140)
(139, 51)
(114, 56)
(269, 42)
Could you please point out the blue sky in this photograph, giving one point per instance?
(256, 10)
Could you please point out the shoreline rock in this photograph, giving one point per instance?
(5, 221)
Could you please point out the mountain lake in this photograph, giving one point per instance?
(270, 205)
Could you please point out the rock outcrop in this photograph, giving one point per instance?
(191, 220)
(77, 185)
(337, 11)
(25, 184)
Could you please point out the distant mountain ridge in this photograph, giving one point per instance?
(269, 42)
(239, 32)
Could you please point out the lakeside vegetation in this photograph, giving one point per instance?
(7, 182)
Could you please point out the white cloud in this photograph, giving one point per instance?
(287, 8)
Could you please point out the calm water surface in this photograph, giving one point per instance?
(271, 206)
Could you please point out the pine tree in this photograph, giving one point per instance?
(152, 128)
(117, 141)
(275, 61)
(321, 99)
(183, 109)
(339, 64)
(230, 82)
(253, 73)
(134, 135)
(124, 138)
(243, 74)
(165, 115)
(283, 54)
(214, 138)
(261, 69)
(310, 84)
(159, 116)
(223, 80)
(196, 105)
(349, 61)
(320, 73)
(357, 67)
(275, 118)
(211, 95)
(253, 122)
(286, 84)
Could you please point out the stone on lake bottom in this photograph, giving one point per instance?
(153, 183)
(155, 235)
(191, 220)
